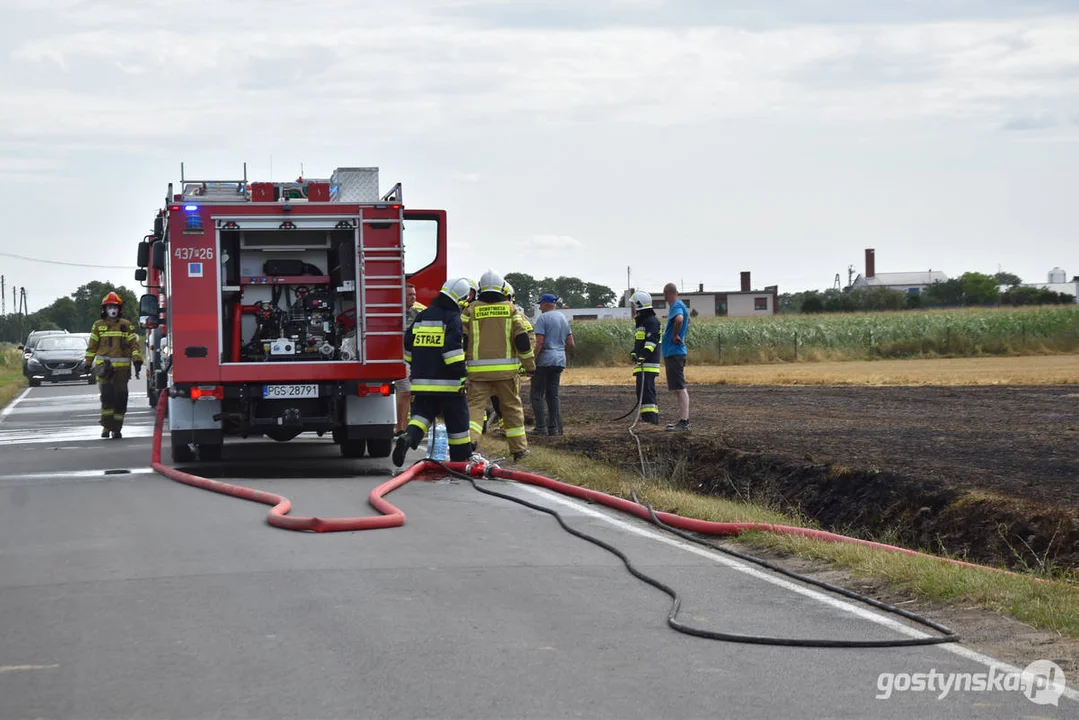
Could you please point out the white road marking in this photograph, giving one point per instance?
(68, 434)
(114, 472)
(11, 405)
(16, 668)
(85, 397)
(832, 601)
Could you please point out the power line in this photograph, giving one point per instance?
(61, 262)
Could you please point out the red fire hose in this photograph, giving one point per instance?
(393, 517)
(278, 515)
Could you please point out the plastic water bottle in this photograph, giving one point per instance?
(438, 443)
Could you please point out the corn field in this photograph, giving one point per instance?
(855, 336)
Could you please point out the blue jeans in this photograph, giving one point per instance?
(545, 385)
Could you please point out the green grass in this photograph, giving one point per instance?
(849, 336)
(1048, 600)
(12, 381)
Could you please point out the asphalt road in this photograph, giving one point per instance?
(129, 595)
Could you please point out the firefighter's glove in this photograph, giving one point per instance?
(463, 389)
(138, 368)
(633, 357)
(87, 365)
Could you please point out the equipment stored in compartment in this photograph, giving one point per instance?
(286, 267)
(296, 324)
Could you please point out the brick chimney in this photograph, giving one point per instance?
(747, 286)
(870, 263)
(700, 287)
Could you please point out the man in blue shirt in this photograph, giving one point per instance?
(553, 338)
(674, 354)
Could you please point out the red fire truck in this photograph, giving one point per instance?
(278, 308)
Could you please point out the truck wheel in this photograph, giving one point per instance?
(151, 395)
(380, 447)
(210, 453)
(353, 448)
(182, 453)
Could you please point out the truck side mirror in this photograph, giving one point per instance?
(144, 255)
(159, 256)
(159, 227)
(140, 275)
(149, 311)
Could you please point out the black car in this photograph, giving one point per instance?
(57, 358)
(31, 341)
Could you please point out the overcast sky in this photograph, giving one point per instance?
(689, 140)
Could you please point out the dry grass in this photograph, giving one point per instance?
(1026, 370)
(12, 381)
(1052, 605)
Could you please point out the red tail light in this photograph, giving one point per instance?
(216, 392)
(385, 389)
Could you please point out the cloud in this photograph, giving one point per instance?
(1035, 121)
(554, 242)
(124, 71)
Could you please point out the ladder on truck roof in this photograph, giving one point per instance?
(210, 190)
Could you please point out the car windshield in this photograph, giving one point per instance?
(68, 342)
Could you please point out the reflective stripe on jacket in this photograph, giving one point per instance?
(646, 339)
(433, 347)
(114, 339)
(491, 349)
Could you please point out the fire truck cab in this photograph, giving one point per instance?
(278, 308)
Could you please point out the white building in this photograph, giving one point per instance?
(746, 302)
(597, 313)
(1058, 283)
(908, 282)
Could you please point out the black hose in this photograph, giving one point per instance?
(676, 601)
(636, 408)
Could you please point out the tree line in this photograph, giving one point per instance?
(75, 312)
(571, 291)
(967, 290)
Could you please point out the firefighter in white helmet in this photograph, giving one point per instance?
(645, 354)
(496, 347)
(433, 346)
(511, 295)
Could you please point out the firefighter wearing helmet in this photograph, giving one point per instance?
(433, 346)
(511, 295)
(496, 346)
(112, 350)
(645, 354)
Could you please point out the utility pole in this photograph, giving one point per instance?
(3, 297)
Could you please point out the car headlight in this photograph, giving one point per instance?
(26, 356)
(34, 363)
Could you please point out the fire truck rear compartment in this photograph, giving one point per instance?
(288, 296)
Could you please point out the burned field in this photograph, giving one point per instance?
(990, 474)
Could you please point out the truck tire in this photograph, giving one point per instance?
(353, 448)
(151, 394)
(379, 447)
(182, 453)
